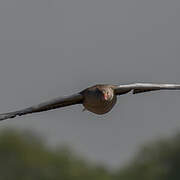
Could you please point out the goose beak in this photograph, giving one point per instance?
(105, 96)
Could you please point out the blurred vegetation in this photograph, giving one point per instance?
(24, 156)
(159, 160)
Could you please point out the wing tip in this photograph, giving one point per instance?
(7, 116)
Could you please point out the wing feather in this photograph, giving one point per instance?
(144, 87)
(52, 104)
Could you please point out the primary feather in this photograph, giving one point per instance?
(144, 87)
(53, 104)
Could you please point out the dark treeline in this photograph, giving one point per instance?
(24, 156)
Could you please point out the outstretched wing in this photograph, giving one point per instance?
(144, 87)
(53, 104)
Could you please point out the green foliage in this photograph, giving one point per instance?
(156, 161)
(24, 157)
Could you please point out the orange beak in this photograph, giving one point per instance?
(106, 97)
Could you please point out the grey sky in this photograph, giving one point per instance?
(50, 48)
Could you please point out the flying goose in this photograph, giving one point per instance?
(98, 99)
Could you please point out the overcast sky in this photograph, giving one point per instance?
(51, 48)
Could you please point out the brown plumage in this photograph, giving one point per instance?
(98, 99)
